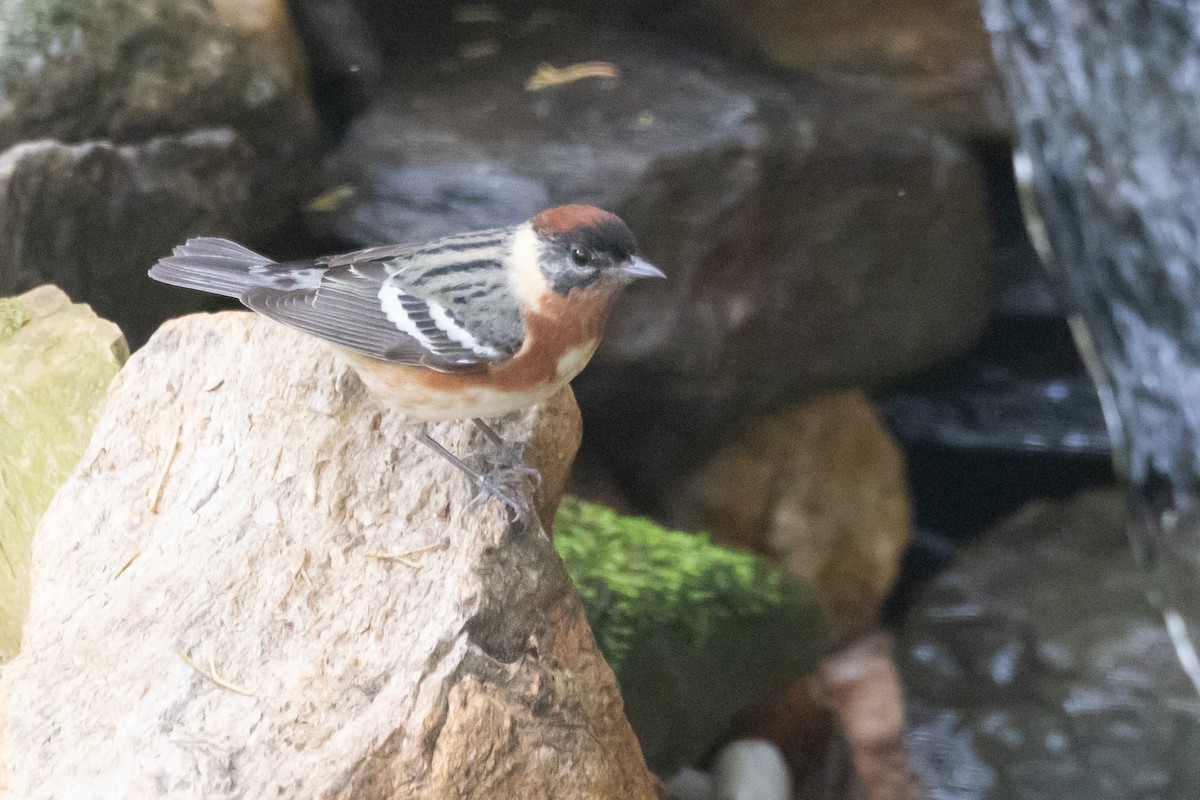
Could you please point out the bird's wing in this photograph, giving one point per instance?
(365, 306)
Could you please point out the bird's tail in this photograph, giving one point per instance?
(221, 267)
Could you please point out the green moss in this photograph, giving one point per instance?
(636, 576)
(695, 633)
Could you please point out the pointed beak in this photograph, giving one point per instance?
(638, 268)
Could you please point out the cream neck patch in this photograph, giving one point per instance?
(526, 278)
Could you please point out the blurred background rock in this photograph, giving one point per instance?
(855, 342)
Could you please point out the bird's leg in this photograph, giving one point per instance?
(485, 485)
(488, 431)
(509, 460)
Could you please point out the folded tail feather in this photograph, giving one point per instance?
(223, 267)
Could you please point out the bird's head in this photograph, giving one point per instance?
(575, 247)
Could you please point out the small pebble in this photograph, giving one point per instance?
(751, 769)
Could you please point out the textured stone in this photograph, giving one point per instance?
(56, 360)
(92, 217)
(126, 70)
(256, 583)
(820, 488)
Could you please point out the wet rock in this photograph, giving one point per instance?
(820, 489)
(1023, 391)
(277, 592)
(150, 121)
(695, 633)
(808, 243)
(933, 54)
(57, 360)
(1015, 419)
(1035, 667)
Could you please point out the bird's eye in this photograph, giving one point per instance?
(580, 258)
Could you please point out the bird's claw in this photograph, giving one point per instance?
(506, 465)
(507, 492)
(504, 475)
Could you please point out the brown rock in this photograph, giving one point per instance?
(257, 584)
(862, 686)
(820, 487)
(932, 54)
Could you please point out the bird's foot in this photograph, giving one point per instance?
(503, 475)
(513, 494)
(508, 460)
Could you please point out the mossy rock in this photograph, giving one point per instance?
(694, 632)
(57, 359)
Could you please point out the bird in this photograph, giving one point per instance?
(470, 326)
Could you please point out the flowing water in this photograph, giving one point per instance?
(1106, 99)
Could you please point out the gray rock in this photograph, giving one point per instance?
(126, 70)
(1035, 668)
(92, 217)
(808, 243)
(132, 124)
(257, 584)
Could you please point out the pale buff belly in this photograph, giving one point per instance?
(406, 390)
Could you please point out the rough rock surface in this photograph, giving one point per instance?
(1035, 667)
(820, 488)
(129, 125)
(256, 584)
(808, 243)
(56, 361)
(125, 70)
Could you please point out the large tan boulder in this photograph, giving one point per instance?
(257, 584)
